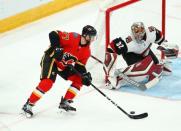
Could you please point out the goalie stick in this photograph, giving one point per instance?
(140, 86)
(132, 116)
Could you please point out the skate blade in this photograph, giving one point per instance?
(27, 115)
(64, 112)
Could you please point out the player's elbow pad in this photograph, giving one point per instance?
(54, 39)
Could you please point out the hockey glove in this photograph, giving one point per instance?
(86, 79)
(58, 54)
(117, 40)
(119, 45)
(170, 51)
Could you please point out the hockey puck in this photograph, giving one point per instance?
(132, 112)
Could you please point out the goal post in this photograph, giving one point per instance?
(127, 3)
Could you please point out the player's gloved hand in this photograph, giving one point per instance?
(86, 79)
(117, 40)
(169, 50)
(58, 53)
(118, 45)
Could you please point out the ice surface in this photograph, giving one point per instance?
(20, 54)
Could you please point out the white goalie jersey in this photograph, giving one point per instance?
(152, 35)
(142, 47)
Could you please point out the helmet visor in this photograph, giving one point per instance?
(91, 38)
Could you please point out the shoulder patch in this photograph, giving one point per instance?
(128, 39)
(151, 28)
(75, 35)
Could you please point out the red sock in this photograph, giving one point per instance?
(71, 93)
(44, 86)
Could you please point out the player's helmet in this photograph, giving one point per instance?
(138, 31)
(89, 33)
(89, 30)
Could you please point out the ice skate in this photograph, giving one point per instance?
(27, 109)
(65, 105)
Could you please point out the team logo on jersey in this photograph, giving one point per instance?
(68, 58)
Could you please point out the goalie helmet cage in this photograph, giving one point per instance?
(137, 4)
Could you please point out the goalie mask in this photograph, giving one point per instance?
(89, 33)
(138, 31)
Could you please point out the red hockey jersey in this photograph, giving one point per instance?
(73, 51)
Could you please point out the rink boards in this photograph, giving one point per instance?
(36, 13)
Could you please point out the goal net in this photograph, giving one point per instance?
(114, 20)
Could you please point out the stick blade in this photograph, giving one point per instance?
(140, 116)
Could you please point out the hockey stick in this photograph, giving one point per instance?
(132, 116)
(140, 86)
(139, 116)
(104, 67)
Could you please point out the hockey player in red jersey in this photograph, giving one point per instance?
(143, 65)
(65, 49)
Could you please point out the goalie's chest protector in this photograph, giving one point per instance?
(144, 46)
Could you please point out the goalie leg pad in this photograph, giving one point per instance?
(166, 67)
(143, 71)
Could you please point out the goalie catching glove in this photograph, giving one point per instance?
(86, 79)
(170, 51)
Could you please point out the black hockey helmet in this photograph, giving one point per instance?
(89, 30)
